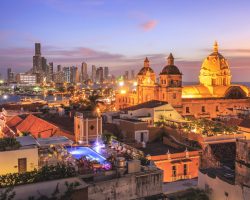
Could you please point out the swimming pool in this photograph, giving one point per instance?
(78, 152)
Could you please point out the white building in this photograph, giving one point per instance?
(152, 112)
(22, 159)
(25, 78)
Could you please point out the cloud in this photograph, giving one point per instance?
(20, 59)
(149, 25)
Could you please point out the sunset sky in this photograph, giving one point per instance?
(120, 33)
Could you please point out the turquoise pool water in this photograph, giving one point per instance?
(78, 152)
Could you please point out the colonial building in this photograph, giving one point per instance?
(211, 97)
(87, 129)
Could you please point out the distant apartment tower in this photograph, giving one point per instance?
(99, 75)
(84, 71)
(59, 68)
(93, 74)
(10, 76)
(58, 77)
(106, 73)
(126, 75)
(132, 74)
(75, 76)
(66, 73)
(26, 78)
(49, 72)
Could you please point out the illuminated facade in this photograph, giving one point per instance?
(210, 98)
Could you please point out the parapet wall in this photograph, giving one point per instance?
(130, 186)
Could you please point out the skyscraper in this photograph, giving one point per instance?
(106, 73)
(93, 74)
(99, 75)
(37, 59)
(37, 49)
(66, 72)
(126, 75)
(84, 72)
(132, 74)
(75, 76)
(10, 75)
(39, 64)
(59, 68)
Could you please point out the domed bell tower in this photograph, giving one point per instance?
(171, 83)
(146, 80)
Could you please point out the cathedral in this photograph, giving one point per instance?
(213, 96)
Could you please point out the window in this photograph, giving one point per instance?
(173, 171)
(203, 109)
(174, 95)
(163, 96)
(22, 165)
(185, 169)
(142, 137)
(187, 110)
(217, 108)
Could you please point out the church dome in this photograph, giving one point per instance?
(146, 69)
(215, 62)
(170, 68)
(215, 69)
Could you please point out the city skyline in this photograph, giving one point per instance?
(70, 34)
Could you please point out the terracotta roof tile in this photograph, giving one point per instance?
(37, 127)
(14, 121)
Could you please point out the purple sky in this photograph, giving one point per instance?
(120, 33)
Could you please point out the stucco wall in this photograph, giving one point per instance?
(23, 192)
(127, 187)
(9, 160)
(218, 189)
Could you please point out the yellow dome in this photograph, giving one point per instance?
(215, 62)
(215, 69)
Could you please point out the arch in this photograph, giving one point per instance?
(235, 92)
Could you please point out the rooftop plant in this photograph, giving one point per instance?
(9, 144)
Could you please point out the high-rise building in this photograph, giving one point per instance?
(37, 59)
(132, 74)
(75, 76)
(10, 76)
(67, 76)
(59, 68)
(49, 72)
(99, 75)
(93, 74)
(126, 75)
(37, 49)
(106, 73)
(26, 78)
(58, 77)
(84, 71)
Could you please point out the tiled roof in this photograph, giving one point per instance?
(37, 127)
(14, 121)
(148, 104)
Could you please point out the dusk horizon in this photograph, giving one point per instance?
(121, 34)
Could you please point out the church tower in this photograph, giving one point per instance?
(146, 81)
(171, 83)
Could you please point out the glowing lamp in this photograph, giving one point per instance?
(121, 83)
